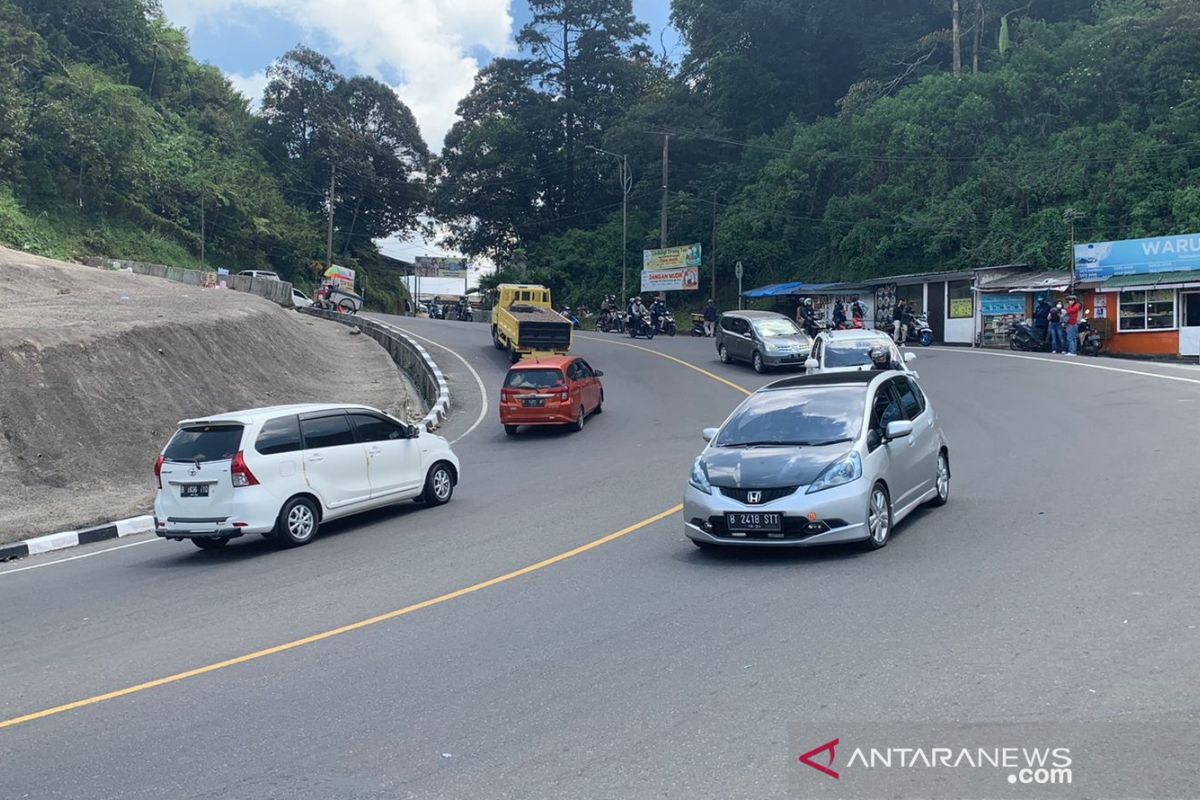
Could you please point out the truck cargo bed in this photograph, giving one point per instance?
(541, 328)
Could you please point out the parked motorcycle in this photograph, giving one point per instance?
(574, 320)
(920, 332)
(641, 326)
(1025, 337)
(698, 325)
(1090, 340)
(666, 324)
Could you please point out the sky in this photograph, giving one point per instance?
(427, 50)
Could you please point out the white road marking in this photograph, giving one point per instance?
(478, 381)
(76, 558)
(1070, 362)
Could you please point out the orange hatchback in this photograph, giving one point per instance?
(551, 390)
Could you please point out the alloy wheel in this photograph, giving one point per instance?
(879, 517)
(301, 522)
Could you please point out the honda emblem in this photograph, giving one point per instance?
(753, 497)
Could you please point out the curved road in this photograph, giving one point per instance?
(1058, 584)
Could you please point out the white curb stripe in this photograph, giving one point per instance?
(135, 525)
(54, 541)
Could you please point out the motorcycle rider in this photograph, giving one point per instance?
(858, 313)
(658, 310)
(808, 317)
(637, 314)
(839, 315)
(881, 358)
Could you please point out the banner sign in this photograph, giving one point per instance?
(1137, 257)
(671, 280)
(999, 305)
(672, 257)
(962, 307)
(440, 266)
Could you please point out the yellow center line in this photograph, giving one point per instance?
(678, 361)
(319, 637)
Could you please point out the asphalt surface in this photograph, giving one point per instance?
(1059, 584)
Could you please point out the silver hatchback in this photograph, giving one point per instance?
(819, 459)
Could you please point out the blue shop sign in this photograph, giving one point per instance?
(1102, 260)
(999, 305)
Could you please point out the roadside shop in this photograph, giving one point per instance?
(1150, 289)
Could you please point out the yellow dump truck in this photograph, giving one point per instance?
(524, 322)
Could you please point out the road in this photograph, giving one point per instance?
(1058, 584)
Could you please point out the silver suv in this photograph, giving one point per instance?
(762, 338)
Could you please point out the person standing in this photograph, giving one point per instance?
(858, 313)
(1073, 313)
(710, 318)
(839, 315)
(1054, 318)
(1041, 320)
(898, 316)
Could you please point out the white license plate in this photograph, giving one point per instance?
(753, 521)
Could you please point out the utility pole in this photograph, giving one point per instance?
(202, 226)
(1070, 215)
(329, 224)
(666, 174)
(626, 185)
(714, 248)
(957, 34)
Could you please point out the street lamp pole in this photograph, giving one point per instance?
(626, 185)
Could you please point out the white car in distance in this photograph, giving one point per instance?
(849, 351)
(282, 471)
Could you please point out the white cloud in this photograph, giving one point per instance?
(250, 86)
(426, 42)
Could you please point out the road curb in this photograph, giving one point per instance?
(65, 539)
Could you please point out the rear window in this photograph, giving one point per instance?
(856, 354)
(533, 379)
(326, 432)
(279, 435)
(200, 443)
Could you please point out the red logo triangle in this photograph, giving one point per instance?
(831, 746)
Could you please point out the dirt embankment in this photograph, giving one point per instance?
(97, 367)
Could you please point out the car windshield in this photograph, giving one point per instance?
(849, 354)
(533, 379)
(200, 443)
(783, 326)
(809, 416)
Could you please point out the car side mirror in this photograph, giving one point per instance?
(909, 357)
(811, 363)
(899, 429)
(413, 431)
(709, 434)
(599, 373)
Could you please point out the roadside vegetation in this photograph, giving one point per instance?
(833, 139)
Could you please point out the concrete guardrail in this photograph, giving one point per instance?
(409, 355)
(274, 290)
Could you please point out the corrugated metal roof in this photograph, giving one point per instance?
(1153, 279)
(1027, 281)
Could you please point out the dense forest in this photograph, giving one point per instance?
(824, 139)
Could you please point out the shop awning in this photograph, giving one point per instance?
(1046, 281)
(783, 289)
(1153, 280)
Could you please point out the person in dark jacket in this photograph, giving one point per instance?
(839, 315)
(1041, 319)
(710, 318)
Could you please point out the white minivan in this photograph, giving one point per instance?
(283, 470)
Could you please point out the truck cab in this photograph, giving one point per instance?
(524, 322)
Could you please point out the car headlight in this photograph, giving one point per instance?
(776, 348)
(838, 473)
(699, 477)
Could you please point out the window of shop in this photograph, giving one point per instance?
(1146, 310)
(961, 300)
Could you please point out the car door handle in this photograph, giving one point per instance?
(374, 450)
(315, 457)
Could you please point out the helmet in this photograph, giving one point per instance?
(808, 301)
(881, 356)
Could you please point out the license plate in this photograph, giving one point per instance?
(193, 490)
(533, 402)
(747, 522)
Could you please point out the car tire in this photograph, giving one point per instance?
(496, 339)
(510, 430)
(942, 480)
(210, 543)
(879, 518)
(759, 365)
(580, 421)
(723, 354)
(513, 356)
(600, 404)
(439, 485)
(297, 524)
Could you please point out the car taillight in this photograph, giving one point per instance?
(158, 462)
(241, 474)
(507, 395)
